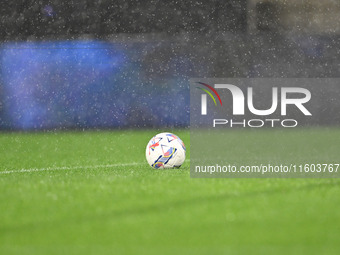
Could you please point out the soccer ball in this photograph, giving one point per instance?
(165, 150)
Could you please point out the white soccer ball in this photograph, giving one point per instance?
(165, 150)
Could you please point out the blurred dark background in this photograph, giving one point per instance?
(22, 19)
(126, 63)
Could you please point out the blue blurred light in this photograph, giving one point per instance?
(84, 84)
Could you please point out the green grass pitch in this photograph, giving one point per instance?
(93, 193)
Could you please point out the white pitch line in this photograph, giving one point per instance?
(29, 170)
(65, 168)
